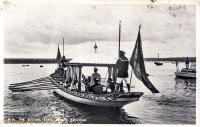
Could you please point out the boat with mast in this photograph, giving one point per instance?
(70, 74)
(186, 72)
(158, 62)
(73, 75)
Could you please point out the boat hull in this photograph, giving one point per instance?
(185, 75)
(102, 100)
(119, 103)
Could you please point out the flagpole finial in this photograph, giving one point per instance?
(139, 26)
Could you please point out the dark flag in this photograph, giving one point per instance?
(177, 63)
(137, 63)
(58, 56)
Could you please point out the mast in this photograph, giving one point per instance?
(158, 56)
(119, 36)
(63, 46)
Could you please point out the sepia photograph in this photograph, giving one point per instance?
(100, 62)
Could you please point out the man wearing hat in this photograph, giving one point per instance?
(95, 75)
(122, 67)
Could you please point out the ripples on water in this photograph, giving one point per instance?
(175, 104)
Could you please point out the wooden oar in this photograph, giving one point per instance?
(30, 83)
(22, 90)
(41, 79)
(34, 87)
(37, 85)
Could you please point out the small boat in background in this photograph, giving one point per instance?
(187, 72)
(23, 65)
(41, 65)
(27, 65)
(157, 63)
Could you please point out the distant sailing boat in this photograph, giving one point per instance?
(157, 62)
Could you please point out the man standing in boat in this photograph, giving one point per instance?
(62, 61)
(95, 75)
(122, 67)
(187, 63)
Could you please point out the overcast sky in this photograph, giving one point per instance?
(34, 30)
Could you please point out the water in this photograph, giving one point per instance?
(175, 104)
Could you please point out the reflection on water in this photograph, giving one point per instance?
(100, 115)
(175, 104)
(187, 84)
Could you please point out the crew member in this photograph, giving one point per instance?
(187, 63)
(62, 61)
(110, 85)
(96, 83)
(122, 67)
(95, 75)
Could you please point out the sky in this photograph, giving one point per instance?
(35, 30)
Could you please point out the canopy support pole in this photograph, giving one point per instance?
(109, 72)
(79, 81)
(114, 74)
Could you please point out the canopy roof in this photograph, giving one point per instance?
(94, 59)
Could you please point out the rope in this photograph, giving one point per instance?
(131, 76)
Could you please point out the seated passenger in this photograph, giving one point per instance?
(88, 80)
(95, 75)
(110, 85)
(96, 83)
(73, 85)
(66, 84)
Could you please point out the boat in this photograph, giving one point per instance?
(157, 63)
(41, 65)
(187, 73)
(68, 80)
(69, 74)
(81, 96)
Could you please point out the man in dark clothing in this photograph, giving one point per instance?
(110, 85)
(62, 61)
(122, 67)
(187, 63)
(96, 83)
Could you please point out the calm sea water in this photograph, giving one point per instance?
(175, 104)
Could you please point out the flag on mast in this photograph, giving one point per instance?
(58, 56)
(137, 64)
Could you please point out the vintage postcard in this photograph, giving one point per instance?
(100, 62)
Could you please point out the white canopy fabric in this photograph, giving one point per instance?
(94, 58)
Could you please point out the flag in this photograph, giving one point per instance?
(58, 56)
(176, 63)
(137, 64)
